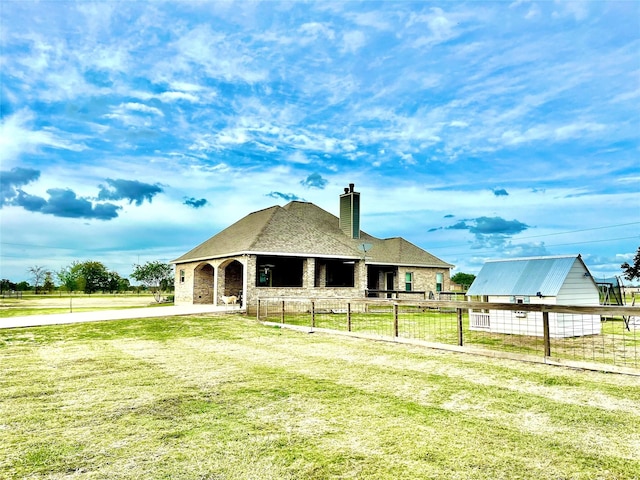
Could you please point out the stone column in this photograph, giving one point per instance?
(215, 285)
(309, 276)
(361, 277)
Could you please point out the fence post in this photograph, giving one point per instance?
(545, 333)
(348, 316)
(395, 320)
(459, 314)
(282, 313)
(313, 314)
(258, 311)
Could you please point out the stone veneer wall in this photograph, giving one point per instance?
(424, 279)
(308, 290)
(198, 285)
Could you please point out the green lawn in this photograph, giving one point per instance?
(224, 397)
(614, 346)
(48, 304)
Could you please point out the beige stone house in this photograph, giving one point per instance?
(301, 250)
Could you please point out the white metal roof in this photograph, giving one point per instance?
(524, 276)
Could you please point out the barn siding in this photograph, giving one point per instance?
(578, 289)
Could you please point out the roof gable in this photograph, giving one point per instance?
(399, 251)
(235, 238)
(272, 230)
(302, 228)
(524, 276)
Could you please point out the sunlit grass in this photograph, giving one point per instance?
(228, 398)
(615, 345)
(52, 304)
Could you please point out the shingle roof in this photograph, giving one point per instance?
(302, 228)
(399, 251)
(524, 276)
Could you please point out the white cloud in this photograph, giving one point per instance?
(232, 136)
(139, 107)
(174, 96)
(442, 27)
(533, 12)
(377, 20)
(298, 157)
(353, 41)
(313, 31)
(221, 56)
(17, 137)
(579, 10)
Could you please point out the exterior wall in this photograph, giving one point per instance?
(229, 282)
(199, 288)
(200, 284)
(424, 279)
(308, 289)
(204, 278)
(561, 325)
(183, 294)
(578, 289)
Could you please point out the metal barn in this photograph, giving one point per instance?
(554, 280)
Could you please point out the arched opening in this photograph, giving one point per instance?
(230, 280)
(203, 284)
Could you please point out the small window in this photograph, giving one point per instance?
(439, 281)
(408, 281)
(181, 276)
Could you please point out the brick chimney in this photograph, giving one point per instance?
(350, 212)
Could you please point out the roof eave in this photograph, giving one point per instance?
(271, 254)
(395, 264)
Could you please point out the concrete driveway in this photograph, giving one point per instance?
(102, 315)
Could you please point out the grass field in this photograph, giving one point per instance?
(614, 346)
(227, 398)
(54, 303)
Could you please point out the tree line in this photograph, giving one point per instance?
(92, 276)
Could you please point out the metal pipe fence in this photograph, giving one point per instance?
(601, 337)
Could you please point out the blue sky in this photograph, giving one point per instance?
(133, 131)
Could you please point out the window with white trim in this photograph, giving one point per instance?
(408, 281)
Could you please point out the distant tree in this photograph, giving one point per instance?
(155, 275)
(6, 285)
(48, 285)
(23, 286)
(94, 276)
(68, 278)
(116, 283)
(37, 275)
(124, 285)
(632, 271)
(464, 279)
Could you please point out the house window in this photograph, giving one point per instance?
(408, 281)
(279, 272)
(439, 281)
(181, 276)
(340, 274)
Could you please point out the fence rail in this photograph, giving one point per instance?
(601, 337)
